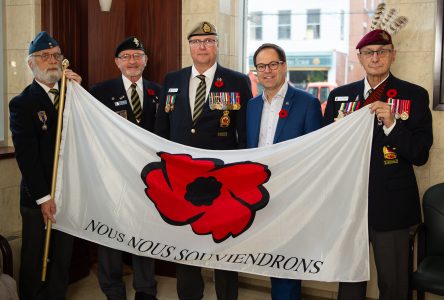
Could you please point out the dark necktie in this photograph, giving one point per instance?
(135, 101)
(56, 98)
(368, 93)
(200, 98)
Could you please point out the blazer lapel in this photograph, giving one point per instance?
(286, 106)
(256, 121)
(148, 99)
(183, 98)
(41, 96)
(360, 93)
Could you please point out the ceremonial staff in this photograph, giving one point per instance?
(65, 65)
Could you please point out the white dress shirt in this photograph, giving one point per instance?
(270, 116)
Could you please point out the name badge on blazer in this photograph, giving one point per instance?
(173, 90)
(119, 102)
(341, 98)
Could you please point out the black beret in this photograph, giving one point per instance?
(42, 41)
(130, 43)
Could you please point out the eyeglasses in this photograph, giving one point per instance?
(272, 66)
(380, 52)
(46, 56)
(198, 43)
(135, 56)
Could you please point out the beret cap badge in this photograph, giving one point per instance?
(203, 28)
(130, 43)
(206, 28)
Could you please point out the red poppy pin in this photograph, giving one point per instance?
(213, 197)
(219, 83)
(283, 113)
(151, 92)
(391, 93)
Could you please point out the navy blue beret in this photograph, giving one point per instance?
(130, 43)
(42, 41)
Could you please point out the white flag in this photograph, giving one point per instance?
(296, 209)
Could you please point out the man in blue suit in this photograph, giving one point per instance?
(281, 113)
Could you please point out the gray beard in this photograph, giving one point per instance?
(50, 77)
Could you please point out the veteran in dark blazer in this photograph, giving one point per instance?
(112, 93)
(204, 106)
(402, 138)
(135, 99)
(280, 113)
(33, 123)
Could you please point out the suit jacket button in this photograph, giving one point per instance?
(193, 131)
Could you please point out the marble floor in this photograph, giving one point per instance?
(88, 289)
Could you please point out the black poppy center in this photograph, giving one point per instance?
(203, 191)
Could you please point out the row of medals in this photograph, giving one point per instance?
(400, 108)
(218, 101)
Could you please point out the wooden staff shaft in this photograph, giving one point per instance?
(65, 64)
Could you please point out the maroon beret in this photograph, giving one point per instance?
(375, 37)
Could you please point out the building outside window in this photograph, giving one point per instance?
(313, 24)
(255, 25)
(342, 29)
(318, 36)
(284, 26)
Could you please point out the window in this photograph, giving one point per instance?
(342, 29)
(314, 55)
(313, 24)
(284, 28)
(256, 25)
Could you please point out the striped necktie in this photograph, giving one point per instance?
(135, 101)
(376, 94)
(200, 98)
(56, 94)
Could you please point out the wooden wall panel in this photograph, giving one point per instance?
(105, 31)
(162, 29)
(63, 20)
(89, 36)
